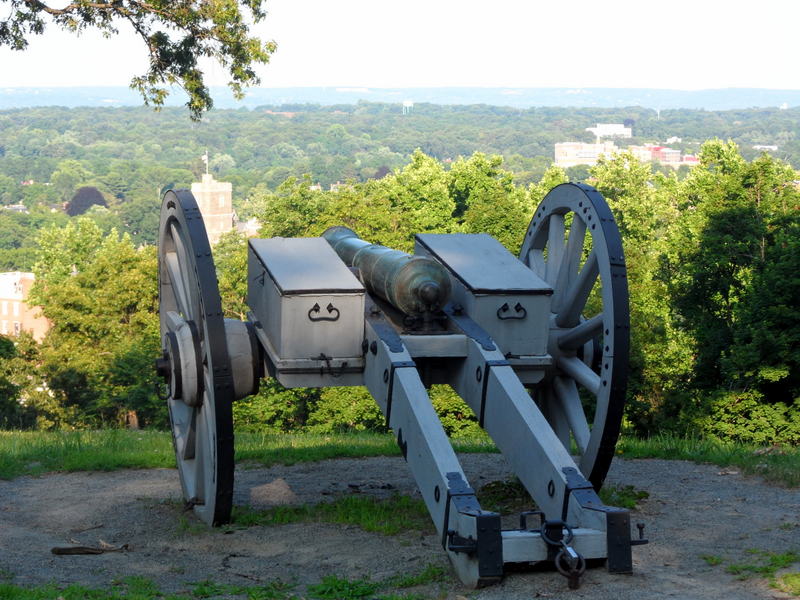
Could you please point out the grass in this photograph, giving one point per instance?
(779, 465)
(36, 452)
(331, 587)
(789, 583)
(505, 496)
(388, 517)
(510, 496)
(764, 564)
(622, 496)
(32, 453)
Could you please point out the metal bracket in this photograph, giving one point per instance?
(384, 331)
(618, 520)
(469, 327)
(388, 377)
(483, 375)
(489, 543)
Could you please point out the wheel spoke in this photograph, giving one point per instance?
(578, 294)
(570, 400)
(184, 272)
(205, 453)
(578, 336)
(190, 438)
(578, 370)
(555, 247)
(570, 261)
(177, 283)
(537, 263)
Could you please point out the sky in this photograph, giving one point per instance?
(675, 44)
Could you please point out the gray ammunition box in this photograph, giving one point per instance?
(309, 304)
(496, 290)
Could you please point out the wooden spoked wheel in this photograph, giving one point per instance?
(195, 363)
(573, 243)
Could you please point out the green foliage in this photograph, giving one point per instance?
(457, 418)
(175, 35)
(488, 201)
(345, 409)
(101, 295)
(744, 416)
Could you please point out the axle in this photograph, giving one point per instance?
(415, 285)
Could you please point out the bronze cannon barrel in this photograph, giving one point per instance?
(415, 285)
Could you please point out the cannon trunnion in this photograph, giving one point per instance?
(536, 346)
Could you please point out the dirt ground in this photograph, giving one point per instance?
(693, 510)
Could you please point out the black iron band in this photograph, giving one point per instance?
(485, 385)
(400, 364)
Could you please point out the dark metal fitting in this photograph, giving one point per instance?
(523, 518)
(642, 540)
(162, 365)
(458, 544)
(552, 533)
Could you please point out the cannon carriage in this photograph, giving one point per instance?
(536, 345)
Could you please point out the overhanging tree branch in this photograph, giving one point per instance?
(176, 34)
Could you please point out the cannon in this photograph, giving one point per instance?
(536, 345)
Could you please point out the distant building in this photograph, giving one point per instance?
(765, 148)
(611, 130)
(570, 154)
(215, 199)
(668, 157)
(15, 314)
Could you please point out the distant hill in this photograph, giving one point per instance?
(717, 99)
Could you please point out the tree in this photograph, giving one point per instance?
(487, 199)
(100, 293)
(176, 35)
(645, 214)
(84, 199)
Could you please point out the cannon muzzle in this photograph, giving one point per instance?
(415, 285)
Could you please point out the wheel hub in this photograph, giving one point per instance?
(180, 364)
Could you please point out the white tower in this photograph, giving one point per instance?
(215, 199)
